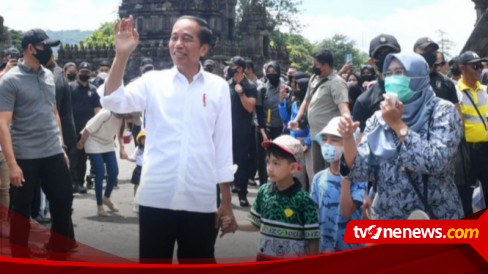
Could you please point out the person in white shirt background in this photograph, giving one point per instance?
(188, 147)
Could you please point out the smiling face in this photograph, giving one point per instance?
(185, 48)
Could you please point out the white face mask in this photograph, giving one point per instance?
(331, 153)
(103, 75)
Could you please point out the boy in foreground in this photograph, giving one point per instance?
(283, 212)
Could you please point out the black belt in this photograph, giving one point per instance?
(478, 145)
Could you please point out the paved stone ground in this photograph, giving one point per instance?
(118, 234)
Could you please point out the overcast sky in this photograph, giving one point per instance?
(358, 19)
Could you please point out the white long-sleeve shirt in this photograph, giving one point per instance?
(188, 148)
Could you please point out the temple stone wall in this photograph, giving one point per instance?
(154, 20)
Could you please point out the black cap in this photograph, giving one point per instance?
(454, 61)
(69, 64)
(84, 66)
(425, 42)
(470, 57)
(147, 63)
(299, 75)
(209, 62)
(238, 61)
(384, 40)
(105, 63)
(35, 36)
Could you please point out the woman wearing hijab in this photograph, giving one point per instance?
(408, 147)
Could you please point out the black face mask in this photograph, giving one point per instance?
(430, 58)
(455, 71)
(316, 70)
(368, 78)
(273, 78)
(71, 76)
(230, 73)
(84, 77)
(43, 56)
(380, 60)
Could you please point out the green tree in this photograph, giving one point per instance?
(279, 13)
(103, 36)
(298, 47)
(15, 37)
(341, 45)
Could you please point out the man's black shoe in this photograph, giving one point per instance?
(243, 202)
(42, 220)
(234, 189)
(79, 189)
(252, 182)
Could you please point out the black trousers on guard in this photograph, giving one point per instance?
(53, 175)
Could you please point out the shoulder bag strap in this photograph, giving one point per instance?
(425, 179)
(474, 105)
(313, 92)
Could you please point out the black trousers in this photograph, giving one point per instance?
(272, 133)
(53, 175)
(160, 229)
(78, 160)
(479, 171)
(241, 145)
(253, 150)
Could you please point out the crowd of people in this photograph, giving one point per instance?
(406, 132)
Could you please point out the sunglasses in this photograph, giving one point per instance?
(477, 66)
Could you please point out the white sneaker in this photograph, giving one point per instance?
(101, 211)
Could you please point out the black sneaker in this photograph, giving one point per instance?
(234, 189)
(89, 181)
(243, 202)
(79, 189)
(42, 220)
(252, 182)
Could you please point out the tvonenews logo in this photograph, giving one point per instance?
(473, 232)
(375, 232)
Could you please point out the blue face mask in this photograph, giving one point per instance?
(331, 153)
(399, 84)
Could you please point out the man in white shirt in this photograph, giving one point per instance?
(188, 142)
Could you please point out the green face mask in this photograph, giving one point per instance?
(399, 84)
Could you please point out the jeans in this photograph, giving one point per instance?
(99, 160)
(53, 175)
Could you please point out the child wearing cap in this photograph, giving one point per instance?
(283, 212)
(329, 191)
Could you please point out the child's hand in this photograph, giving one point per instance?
(226, 226)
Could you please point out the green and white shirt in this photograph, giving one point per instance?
(287, 219)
